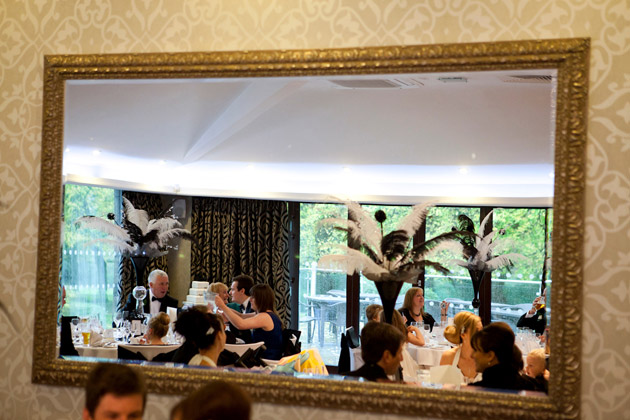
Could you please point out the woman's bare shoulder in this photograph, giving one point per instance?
(448, 356)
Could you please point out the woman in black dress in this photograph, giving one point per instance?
(413, 308)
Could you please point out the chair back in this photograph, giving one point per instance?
(290, 348)
(240, 349)
(125, 354)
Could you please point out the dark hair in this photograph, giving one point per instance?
(112, 378)
(244, 282)
(264, 297)
(198, 327)
(499, 338)
(376, 337)
(216, 400)
(159, 324)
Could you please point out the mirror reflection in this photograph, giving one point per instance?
(249, 167)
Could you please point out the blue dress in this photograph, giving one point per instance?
(272, 339)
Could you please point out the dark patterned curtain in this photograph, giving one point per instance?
(237, 236)
(152, 204)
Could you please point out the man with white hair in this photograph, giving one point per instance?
(157, 299)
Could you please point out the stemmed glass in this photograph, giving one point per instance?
(76, 336)
(126, 330)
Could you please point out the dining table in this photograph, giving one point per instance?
(110, 351)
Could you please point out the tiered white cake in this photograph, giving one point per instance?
(195, 294)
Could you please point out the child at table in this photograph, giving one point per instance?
(535, 368)
(158, 328)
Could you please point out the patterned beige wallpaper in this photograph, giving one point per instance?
(31, 28)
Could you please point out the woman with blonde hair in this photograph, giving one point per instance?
(158, 328)
(465, 325)
(222, 290)
(413, 308)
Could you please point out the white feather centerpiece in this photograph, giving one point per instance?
(479, 251)
(390, 260)
(137, 237)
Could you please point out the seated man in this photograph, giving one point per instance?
(157, 299)
(536, 318)
(239, 291)
(114, 391)
(381, 349)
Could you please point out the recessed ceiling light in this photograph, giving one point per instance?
(96, 152)
(473, 156)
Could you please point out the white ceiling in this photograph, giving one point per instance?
(473, 138)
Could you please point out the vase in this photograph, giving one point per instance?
(476, 277)
(139, 265)
(388, 291)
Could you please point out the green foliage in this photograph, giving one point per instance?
(524, 228)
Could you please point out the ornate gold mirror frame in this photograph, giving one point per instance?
(568, 56)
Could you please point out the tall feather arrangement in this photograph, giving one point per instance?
(479, 252)
(387, 257)
(137, 235)
(389, 260)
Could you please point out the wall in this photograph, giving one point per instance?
(32, 28)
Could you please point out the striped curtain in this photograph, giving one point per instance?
(152, 204)
(238, 236)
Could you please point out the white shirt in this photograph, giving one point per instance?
(244, 305)
(154, 304)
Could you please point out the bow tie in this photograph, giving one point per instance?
(155, 298)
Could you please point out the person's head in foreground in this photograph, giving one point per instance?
(114, 391)
(465, 325)
(382, 344)
(214, 401)
(494, 345)
(205, 330)
(372, 312)
(535, 363)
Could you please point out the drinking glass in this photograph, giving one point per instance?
(118, 318)
(75, 330)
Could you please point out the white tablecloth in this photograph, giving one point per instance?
(426, 356)
(102, 352)
(148, 351)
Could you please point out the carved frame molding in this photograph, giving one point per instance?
(571, 59)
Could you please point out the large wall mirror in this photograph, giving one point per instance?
(488, 124)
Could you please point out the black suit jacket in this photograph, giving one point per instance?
(167, 301)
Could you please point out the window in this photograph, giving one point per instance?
(526, 234)
(322, 293)
(89, 270)
(456, 285)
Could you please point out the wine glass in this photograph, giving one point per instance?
(118, 318)
(75, 330)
